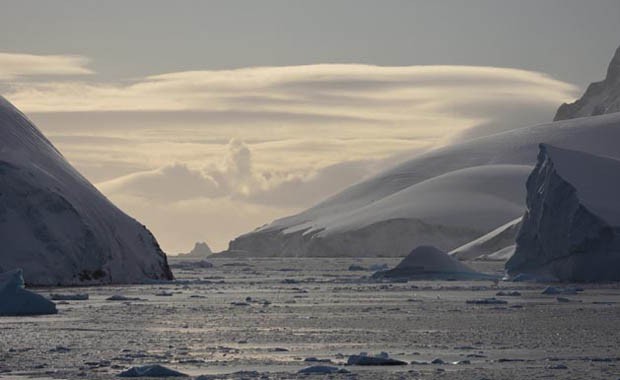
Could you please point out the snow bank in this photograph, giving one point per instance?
(426, 262)
(15, 300)
(571, 230)
(57, 226)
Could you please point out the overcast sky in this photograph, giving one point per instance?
(205, 119)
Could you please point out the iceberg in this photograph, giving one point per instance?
(56, 226)
(16, 300)
(429, 263)
(571, 228)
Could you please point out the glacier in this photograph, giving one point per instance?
(571, 229)
(56, 226)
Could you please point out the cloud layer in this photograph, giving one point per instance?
(260, 142)
(13, 65)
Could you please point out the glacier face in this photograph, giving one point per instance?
(445, 197)
(600, 97)
(571, 229)
(58, 227)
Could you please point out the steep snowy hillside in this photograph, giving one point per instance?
(445, 197)
(571, 229)
(56, 226)
(497, 240)
(600, 97)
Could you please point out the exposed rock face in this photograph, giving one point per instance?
(57, 226)
(571, 229)
(600, 97)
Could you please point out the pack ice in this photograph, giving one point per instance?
(571, 229)
(15, 300)
(57, 226)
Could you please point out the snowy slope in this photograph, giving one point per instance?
(571, 229)
(600, 98)
(56, 226)
(445, 197)
(499, 239)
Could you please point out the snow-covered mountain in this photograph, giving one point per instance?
(58, 227)
(600, 97)
(571, 229)
(445, 197)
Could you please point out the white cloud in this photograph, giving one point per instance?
(268, 140)
(13, 65)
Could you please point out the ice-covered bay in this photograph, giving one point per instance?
(269, 315)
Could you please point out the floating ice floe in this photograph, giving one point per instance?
(15, 300)
(364, 359)
(69, 297)
(151, 370)
(120, 297)
(322, 369)
(556, 290)
(486, 301)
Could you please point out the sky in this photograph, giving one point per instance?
(207, 119)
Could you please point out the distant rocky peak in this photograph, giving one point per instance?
(600, 98)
